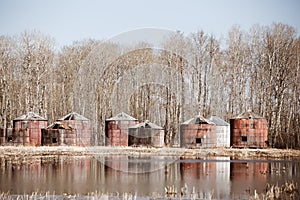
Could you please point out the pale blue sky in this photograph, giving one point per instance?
(70, 20)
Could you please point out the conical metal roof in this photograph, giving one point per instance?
(198, 120)
(218, 121)
(248, 114)
(147, 124)
(122, 117)
(73, 116)
(59, 125)
(30, 116)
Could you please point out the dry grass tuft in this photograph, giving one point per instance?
(289, 190)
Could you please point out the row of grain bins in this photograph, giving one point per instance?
(33, 130)
(246, 130)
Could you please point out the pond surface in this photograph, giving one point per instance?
(221, 177)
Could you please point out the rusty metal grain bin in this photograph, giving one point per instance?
(3, 136)
(59, 134)
(83, 129)
(146, 134)
(249, 130)
(198, 132)
(6, 137)
(27, 129)
(222, 131)
(117, 128)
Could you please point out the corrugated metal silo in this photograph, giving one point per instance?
(116, 129)
(6, 136)
(222, 131)
(198, 132)
(146, 133)
(3, 136)
(27, 129)
(58, 134)
(83, 129)
(249, 130)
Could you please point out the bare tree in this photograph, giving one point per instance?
(35, 57)
(205, 50)
(258, 69)
(7, 83)
(279, 69)
(70, 61)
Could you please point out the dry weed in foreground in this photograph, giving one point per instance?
(48, 196)
(289, 190)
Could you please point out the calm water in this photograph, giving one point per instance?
(145, 176)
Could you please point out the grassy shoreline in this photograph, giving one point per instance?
(288, 190)
(23, 151)
(18, 155)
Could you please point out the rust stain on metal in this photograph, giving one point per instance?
(198, 132)
(249, 130)
(72, 130)
(117, 129)
(146, 134)
(27, 130)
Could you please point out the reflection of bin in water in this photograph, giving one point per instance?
(249, 130)
(147, 134)
(134, 164)
(116, 129)
(27, 129)
(200, 170)
(249, 170)
(246, 175)
(198, 132)
(116, 162)
(208, 173)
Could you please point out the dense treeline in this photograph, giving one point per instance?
(258, 69)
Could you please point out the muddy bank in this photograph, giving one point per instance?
(21, 151)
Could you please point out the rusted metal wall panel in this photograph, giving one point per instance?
(249, 133)
(3, 138)
(82, 133)
(146, 136)
(70, 137)
(198, 135)
(28, 132)
(20, 137)
(117, 132)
